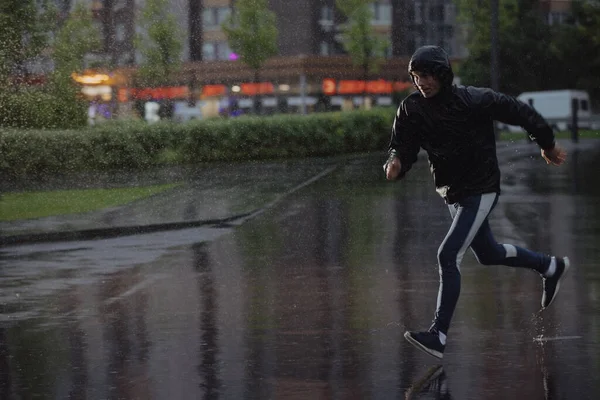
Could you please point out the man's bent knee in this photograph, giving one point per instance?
(495, 255)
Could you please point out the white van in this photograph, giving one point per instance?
(555, 106)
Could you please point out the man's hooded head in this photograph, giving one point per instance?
(432, 60)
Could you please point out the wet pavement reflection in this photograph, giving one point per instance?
(310, 300)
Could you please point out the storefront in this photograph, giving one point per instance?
(230, 88)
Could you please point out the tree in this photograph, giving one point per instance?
(578, 42)
(26, 31)
(534, 55)
(527, 54)
(366, 48)
(252, 33)
(25, 27)
(75, 39)
(160, 46)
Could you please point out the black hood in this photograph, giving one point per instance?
(433, 60)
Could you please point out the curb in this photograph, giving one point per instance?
(105, 233)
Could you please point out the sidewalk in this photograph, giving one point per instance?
(213, 195)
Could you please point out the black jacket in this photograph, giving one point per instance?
(455, 127)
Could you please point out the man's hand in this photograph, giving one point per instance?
(556, 156)
(392, 168)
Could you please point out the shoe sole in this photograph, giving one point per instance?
(567, 266)
(419, 346)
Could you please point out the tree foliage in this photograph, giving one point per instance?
(160, 45)
(579, 44)
(29, 31)
(362, 43)
(527, 55)
(252, 32)
(534, 55)
(77, 37)
(25, 27)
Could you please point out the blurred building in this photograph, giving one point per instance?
(311, 62)
(312, 70)
(116, 20)
(306, 27)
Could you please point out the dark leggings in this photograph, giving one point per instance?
(470, 227)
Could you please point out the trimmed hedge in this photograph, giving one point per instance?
(35, 108)
(137, 145)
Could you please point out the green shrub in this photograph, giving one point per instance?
(35, 108)
(136, 144)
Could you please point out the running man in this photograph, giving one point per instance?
(454, 125)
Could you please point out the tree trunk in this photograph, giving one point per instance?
(195, 9)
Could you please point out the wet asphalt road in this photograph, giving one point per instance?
(310, 299)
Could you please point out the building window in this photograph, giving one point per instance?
(212, 51)
(325, 49)
(209, 51)
(222, 14)
(382, 13)
(326, 20)
(208, 18)
(555, 17)
(120, 32)
(327, 13)
(223, 51)
(213, 17)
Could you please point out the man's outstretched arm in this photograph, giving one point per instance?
(510, 110)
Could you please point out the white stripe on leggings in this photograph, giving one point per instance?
(511, 251)
(485, 205)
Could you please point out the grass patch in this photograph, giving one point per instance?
(27, 205)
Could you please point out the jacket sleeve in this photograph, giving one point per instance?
(509, 110)
(404, 142)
